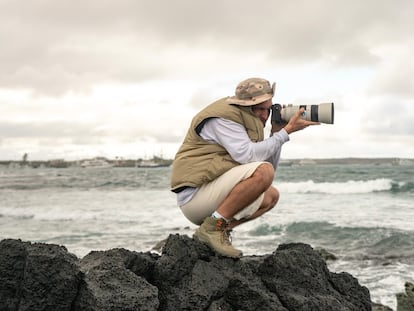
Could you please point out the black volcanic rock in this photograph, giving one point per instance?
(113, 281)
(187, 276)
(37, 276)
(405, 301)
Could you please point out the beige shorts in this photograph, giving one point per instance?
(209, 196)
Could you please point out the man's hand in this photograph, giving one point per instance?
(296, 123)
(276, 127)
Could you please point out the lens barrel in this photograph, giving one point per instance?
(323, 113)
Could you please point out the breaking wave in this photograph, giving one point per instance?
(348, 187)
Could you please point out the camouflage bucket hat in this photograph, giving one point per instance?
(252, 91)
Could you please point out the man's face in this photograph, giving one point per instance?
(262, 110)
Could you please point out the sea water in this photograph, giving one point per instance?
(363, 214)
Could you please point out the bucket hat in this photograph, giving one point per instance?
(252, 91)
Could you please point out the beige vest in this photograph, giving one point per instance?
(197, 161)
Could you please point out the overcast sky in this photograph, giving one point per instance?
(120, 78)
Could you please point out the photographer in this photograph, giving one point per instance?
(224, 169)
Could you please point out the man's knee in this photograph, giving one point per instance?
(274, 195)
(271, 197)
(265, 174)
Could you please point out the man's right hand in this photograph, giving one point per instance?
(297, 124)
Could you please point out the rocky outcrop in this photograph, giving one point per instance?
(187, 276)
(37, 276)
(405, 301)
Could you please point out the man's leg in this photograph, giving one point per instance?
(216, 232)
(270, 200)
(248, 190)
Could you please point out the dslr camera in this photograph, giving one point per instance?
(323, 113)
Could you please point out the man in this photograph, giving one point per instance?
(224, 169)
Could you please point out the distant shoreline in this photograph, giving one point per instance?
(349, 161)
(100, 162)
(161, 162)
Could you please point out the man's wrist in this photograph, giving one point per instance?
(277, 127)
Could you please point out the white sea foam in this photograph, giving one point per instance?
(351, 186)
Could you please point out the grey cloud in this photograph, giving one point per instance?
(396, 80)
(167, 137)
(389, 118)
(53, 46)
(13, 130)
(201, 98)
(145, 134)
(80, 133)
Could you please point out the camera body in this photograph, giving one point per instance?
(323, 113)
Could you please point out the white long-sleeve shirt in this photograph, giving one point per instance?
(233, 137)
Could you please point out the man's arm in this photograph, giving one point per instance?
(233, 137)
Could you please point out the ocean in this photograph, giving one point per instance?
(362, 213)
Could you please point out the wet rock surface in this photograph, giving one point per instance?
(187, 275)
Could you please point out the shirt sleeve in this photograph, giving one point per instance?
(233, 137)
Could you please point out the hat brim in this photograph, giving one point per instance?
(250, 102)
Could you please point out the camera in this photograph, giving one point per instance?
(323, 113)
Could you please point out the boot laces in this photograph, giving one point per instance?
(226, 236)
(225, 232)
